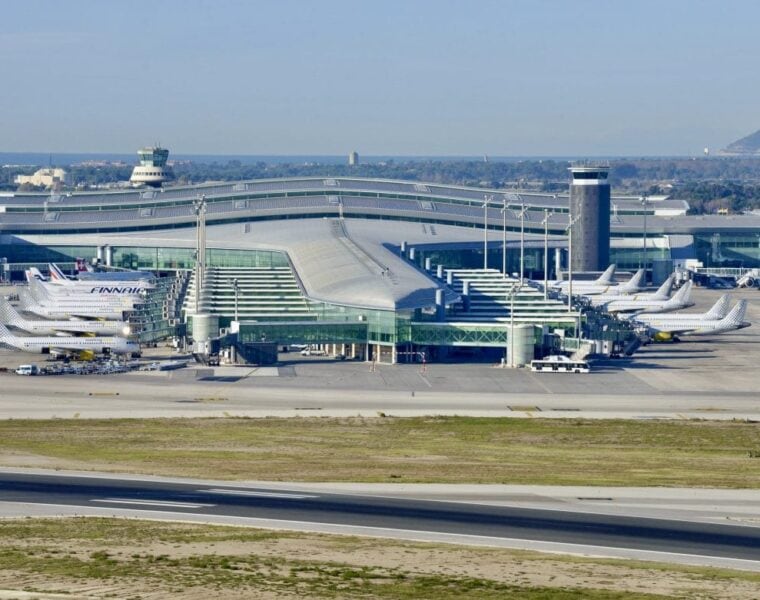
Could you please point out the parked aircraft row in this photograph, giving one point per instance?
(87, 316)
(84, 347)
(718, 319)
(605, 283)
(655, 311)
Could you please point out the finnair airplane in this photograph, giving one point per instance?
(662, 293)
(84, 347)
(135, 290)
(10, 316)
(42, 295)
(649, 305)
(665, 327)
(138, 278)
(70, 308)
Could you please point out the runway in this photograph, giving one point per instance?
(360, 513)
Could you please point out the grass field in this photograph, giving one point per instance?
(441, 449)
(119, 558)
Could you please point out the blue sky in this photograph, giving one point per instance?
(405, 77)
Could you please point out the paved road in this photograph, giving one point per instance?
(402, 514)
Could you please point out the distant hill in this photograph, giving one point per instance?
(747, 145)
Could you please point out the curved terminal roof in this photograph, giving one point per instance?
(310, 197)
(350, 263)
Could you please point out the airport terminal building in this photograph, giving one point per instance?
(381, 269)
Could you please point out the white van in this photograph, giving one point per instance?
(27, 370)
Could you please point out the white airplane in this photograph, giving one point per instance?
(84, 347)
(42, 295)
(649, 305)
(117, 279)
(662, 293)
(10, 316)
(70, 308)
(605, 280)
(134, 291)
(718, 311)
(665, 327)
(589, 288)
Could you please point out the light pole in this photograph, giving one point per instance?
(545, 223)
(236, 289)
(644, 201)
(486, 199)
(521, 214)
(571, 222)
(200, 248)
(504, 239)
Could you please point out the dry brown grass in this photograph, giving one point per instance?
(119, 558)
(447, 450)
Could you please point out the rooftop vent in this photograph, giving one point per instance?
(421, 187)
(331, 182)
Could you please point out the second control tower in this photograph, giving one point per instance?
(590, 208)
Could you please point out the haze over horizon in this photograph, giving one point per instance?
(431, 78)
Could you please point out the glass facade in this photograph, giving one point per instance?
(155, 257)
(728, 249)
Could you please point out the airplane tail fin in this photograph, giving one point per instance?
(634, 284)
(736, 316)
(682, 296)
(719, 310)
(37, 290)
(56, 274)
(608, 277)
(10, 315)
(663, 292)
(5, 334)
(35, 272)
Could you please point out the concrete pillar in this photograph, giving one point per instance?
(99, 254)
(439, 271)
(394, 355)
(557, 262)
(440, 308)
(109, 256)
(449, 278)
(403, 248)
(412, 253)
(428, 264)
(466, 295)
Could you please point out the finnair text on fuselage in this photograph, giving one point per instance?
(116, 290)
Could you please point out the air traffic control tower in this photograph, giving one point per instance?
(590, 211)
(152, 170)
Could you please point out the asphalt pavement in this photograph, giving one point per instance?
(602, 534)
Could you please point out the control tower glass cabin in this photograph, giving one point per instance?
(152, 170)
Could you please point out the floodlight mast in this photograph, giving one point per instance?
(504, 240)
(545, 222)
(645, 201)
(486, 199)
(521, 214)
(199, 205)
(236, 289)
(571, 221)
